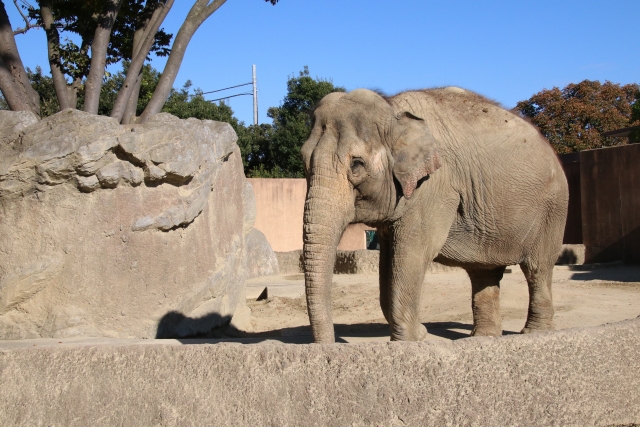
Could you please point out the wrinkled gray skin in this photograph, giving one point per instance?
(442, 174)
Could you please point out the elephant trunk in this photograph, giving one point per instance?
(327, 212)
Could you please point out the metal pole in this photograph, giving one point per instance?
(255, 97)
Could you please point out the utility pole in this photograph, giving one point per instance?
(255, 97)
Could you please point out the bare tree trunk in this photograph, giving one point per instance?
(140, 52)
(130, 111)
(10, 90)
(14, 82)
(66, 94)
(129, 116)
(200, 11)
(99, 47)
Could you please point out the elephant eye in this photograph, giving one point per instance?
(356, 163)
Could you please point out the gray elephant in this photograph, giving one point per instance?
(444, 175)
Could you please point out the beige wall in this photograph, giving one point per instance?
(280, 208)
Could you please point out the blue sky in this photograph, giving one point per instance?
(506, 50)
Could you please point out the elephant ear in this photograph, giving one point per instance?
(414, 152)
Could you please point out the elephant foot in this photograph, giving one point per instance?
(536, 329)
(486, 332)
(538, 325)
(416, 333)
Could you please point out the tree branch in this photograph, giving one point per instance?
(63, 91)
(28, 25)
(129, 115)
(200, 11)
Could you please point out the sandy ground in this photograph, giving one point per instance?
(583, 296)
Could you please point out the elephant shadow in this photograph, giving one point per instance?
(177, 326)
(448, 330)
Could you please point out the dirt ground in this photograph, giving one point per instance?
(583, 296)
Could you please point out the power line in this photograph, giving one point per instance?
(230, 96)
(220, 90)
(254, 83)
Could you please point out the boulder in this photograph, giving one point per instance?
(261, 260)
(290, 262)
(120, 231)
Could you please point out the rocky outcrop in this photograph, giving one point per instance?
(123, 231)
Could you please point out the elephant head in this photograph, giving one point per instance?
(362, 157)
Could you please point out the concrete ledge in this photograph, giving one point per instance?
(580, 377)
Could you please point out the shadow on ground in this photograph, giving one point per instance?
(605, 272)
(176, 325)
(302, 334)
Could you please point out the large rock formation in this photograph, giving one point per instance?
(121, 231)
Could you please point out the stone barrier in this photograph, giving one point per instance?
(587, 376)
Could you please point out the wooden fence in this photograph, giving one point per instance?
(604, 203)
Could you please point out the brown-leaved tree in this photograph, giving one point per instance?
(574, 118)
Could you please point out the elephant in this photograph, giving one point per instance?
(443, 175)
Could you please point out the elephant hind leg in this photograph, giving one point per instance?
(540, 315)
(485, 301)
(384, 271)
(538, 267)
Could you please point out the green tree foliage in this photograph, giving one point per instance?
(255, 145)
(184, 105)
(81, 18)
(292, 123)
(43, 85)
(107, 31)
(574, 118)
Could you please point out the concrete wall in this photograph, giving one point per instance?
(579, 377)
(280, 210)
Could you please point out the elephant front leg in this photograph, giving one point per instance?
(384, 271)
(411, 253)
(485, 301)
(404, 297)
